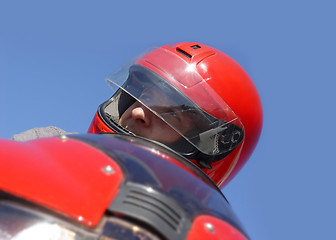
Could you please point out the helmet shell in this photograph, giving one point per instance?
(220, 79)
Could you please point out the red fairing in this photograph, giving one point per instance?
(115, 184)
(208, 227)
(62, 174)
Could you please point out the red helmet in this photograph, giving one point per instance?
(203, 96)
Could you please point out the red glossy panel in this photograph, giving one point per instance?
(62, 174)
(208, 227)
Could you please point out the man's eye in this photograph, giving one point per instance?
(173, 114)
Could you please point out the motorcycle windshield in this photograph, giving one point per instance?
(19, 222)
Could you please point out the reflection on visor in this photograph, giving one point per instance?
(21, 223)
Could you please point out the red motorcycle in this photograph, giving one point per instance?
(107, 186)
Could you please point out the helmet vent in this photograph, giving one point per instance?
(195, 46)
(183, 52)
(155, 206)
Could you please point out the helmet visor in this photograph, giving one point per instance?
(160, 95)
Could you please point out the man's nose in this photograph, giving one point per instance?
(141, 115)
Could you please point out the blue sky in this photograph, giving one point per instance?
(55, 55)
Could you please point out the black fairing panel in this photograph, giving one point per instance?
(161, 188)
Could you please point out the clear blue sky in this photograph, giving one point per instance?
(55, 55)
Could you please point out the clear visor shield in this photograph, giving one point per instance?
(162, 95)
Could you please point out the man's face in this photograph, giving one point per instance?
(142, 122)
